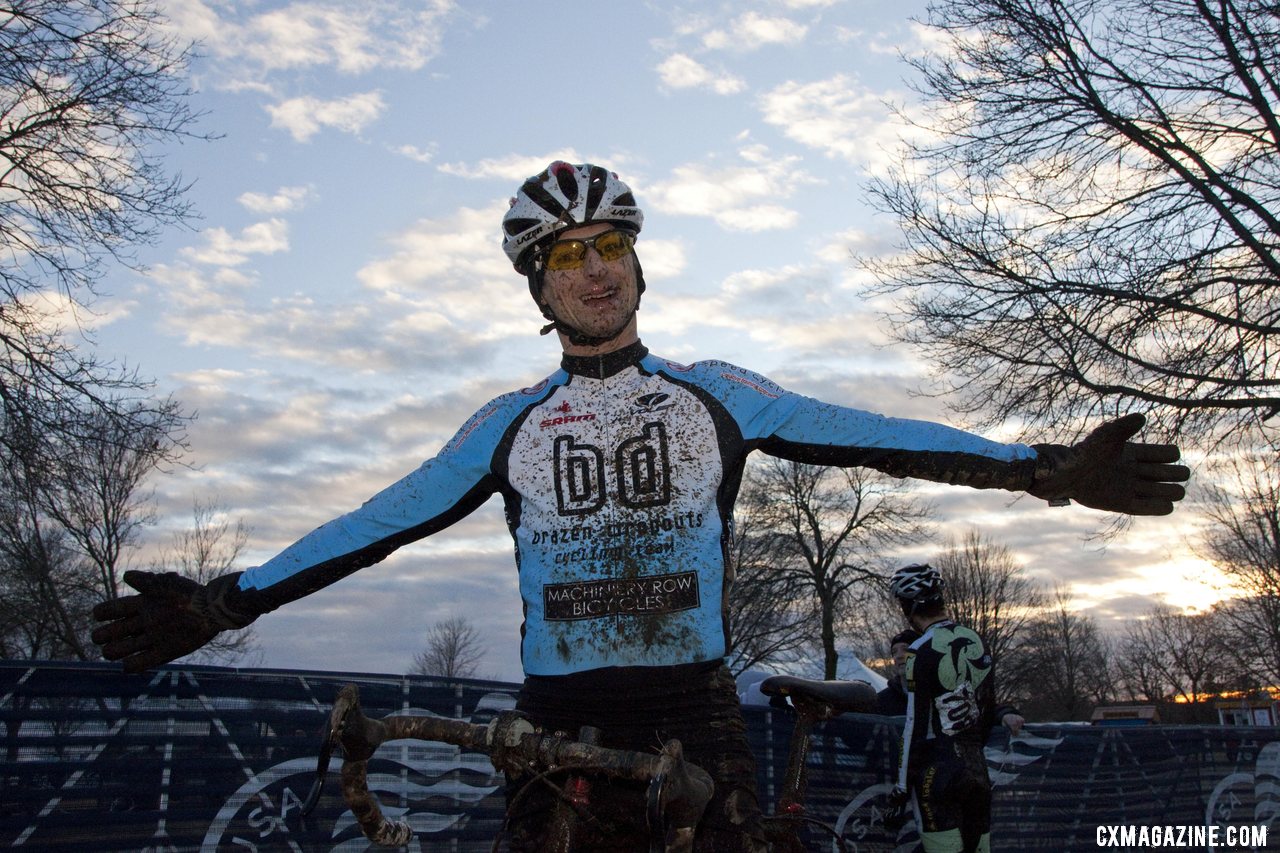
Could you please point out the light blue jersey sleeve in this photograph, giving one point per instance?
(444, 489)
(793, 426)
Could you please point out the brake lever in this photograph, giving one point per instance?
(347, 701)
(322, 771)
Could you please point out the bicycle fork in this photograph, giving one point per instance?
(573, 803)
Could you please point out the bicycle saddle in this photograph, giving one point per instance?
(839, 696)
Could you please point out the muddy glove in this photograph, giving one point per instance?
(1107, 471)
(171, 617)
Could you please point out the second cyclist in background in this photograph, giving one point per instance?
(950, 686)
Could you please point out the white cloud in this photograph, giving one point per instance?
(662, 259)
(680, 71)
(53, 310)
(415, 153)
(513, 168)
(304, 117)
(835, 116)
(222, 249)
(739, 198)
(349, 338)
(465, 245)
(752, 31)
(454, 266)
(354, 38)
(284, 200)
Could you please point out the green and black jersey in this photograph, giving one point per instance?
(950, 695)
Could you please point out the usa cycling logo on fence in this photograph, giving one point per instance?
(1245, 798)
(419, 783)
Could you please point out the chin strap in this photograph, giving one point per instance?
(576, 337)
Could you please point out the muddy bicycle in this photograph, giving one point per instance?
(677, 793)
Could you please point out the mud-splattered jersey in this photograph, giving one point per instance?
(950, 695)
(618, 474)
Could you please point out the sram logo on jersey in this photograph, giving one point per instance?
(643, 596)
(566, 416)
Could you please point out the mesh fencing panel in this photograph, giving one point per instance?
(217, 759)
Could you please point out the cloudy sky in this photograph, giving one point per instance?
(343, 303)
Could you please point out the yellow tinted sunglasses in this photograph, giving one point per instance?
(572, 254)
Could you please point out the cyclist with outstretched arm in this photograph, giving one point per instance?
(618, 474)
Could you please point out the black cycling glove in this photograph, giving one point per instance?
(171, 616)
(1107, 471)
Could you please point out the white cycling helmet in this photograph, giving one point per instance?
(561, 197)
(915, 585)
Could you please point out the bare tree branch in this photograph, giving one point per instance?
(1241, 537)
(1089, 216)
(208, 549)
(87, 90)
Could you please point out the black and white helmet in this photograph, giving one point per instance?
(561, 197)
(917, 583)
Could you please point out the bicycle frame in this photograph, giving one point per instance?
(678, 789)
(814, 702)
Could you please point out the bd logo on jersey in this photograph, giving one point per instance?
(639, 472)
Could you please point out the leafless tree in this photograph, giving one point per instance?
(454, 649)
(989, 591)
(1091, 216)
(68, 509)
(95, 487)
(1184, 650)
(1241, 538)
(823, 530)
(767, 612)
(1062, 666)
(90, 87)
(208, 549)
(46, 592)
(869, 625)
(1141, 673)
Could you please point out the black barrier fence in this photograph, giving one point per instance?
(215, 759)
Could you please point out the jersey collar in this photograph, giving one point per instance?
(606, 365)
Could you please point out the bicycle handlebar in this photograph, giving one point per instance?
(678, 790)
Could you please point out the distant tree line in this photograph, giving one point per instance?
(807, 589)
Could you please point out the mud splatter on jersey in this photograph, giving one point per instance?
(618, 476)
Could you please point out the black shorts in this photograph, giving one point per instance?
(640, 708)
(953, 791)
